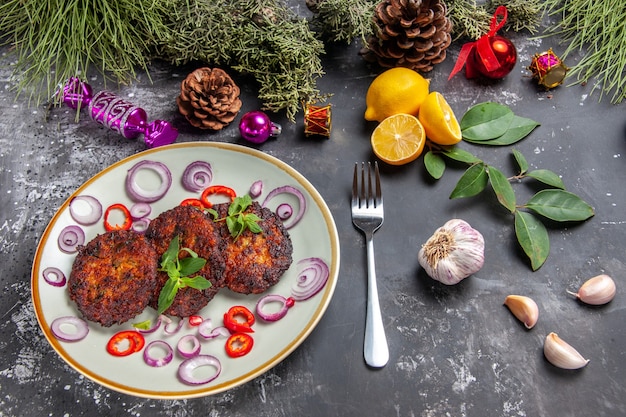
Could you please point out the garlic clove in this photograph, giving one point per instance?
(562, 355)
(597, 290)
(523, 308)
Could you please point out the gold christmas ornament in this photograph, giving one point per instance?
(548, 69)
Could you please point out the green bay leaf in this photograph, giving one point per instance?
(435, 164)
(486, 121)
(502, 187)
(532, 236)
(521, 161)
(519, 128)
(472, 182)
(547, 177)
(560, 206)
(459, 155)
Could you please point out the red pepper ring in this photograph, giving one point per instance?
(128, 221)
(239, 344)
(195, 320)
(194, 202)
(233, 323)
(216, 189)
(135, 341)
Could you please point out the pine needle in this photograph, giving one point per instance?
(264, 39)
(54, 40)
(595, 29)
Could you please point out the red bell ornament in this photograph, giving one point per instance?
(491, 56)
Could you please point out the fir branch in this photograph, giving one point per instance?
(263, 39)
(469, 20)
(344, 20)
(522, 14)
(54, 40)
(595, 29)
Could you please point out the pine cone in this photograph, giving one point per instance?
(209, 98)
(410, 33)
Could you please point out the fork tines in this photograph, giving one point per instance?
(363, 197)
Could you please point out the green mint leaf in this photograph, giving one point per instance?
(486, 121)
(237, 221)
(502, 187)
(172, 270)
(198, 282)
(532, 236)
(521, 161)
(190, 252)
(178, 271)
(547, 177)
(560, 206)
(252, 223)
(213, 213)
(191, 265)
(239, 205)
(171, 254)
(167, 295)
(435, 164)
(472, 182)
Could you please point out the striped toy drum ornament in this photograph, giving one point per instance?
(317, 120)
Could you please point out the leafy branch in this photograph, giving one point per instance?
(553, 202)
(493, 124)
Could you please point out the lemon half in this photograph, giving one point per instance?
(399, 139)
(439, 120)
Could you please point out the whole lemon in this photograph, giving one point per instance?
(397, 90)
(439, 121)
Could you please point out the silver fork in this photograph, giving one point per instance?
(368, 216)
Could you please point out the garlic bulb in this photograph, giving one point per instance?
(453, 252)
(597, 290)
(523, 308)
(561, 354)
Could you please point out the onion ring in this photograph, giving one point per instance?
(152, 329)
(70, 238)
(206, 330)
(288, 189)
(140, 211)
(197, 176)
(76, 209)
(148, 196)
(312, 276)
(284, 211)
(188, 346)
(157, 362)
(286, 304)
(54, 276)
(188, 366)
(140, 225)
(80, 326)
(170, 329)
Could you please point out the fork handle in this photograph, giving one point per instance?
(375, 349)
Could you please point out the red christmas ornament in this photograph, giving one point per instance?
(491, 56)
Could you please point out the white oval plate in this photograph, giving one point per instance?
(234, 166)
